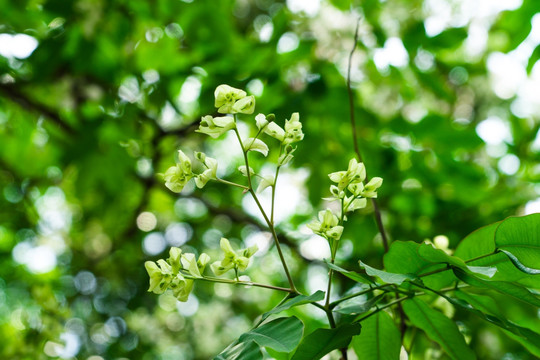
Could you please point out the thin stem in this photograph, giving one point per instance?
(392, 303)
(435, 271)
(448, 267)
(333, 251)
(360, 293)
(378, 217)
(235, 282)
(274, 186)
(232, 184)
(268, 222)
(482, 256)
(287, 297)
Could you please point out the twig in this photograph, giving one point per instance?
(27, 103)
(376, 209)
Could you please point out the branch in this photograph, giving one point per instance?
(27, 103)
(376, 209)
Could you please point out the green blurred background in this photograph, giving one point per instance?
(96, 96)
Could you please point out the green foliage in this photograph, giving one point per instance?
(438, 328)
(379, 340)
(91, 119)
(322, 341)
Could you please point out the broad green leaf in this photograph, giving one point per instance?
(386, 277)
(504, 287)
(322, 341)
(357, 305)
(380, 339)
(520, 236)
(486, 308)
(438, 328)
(252, 144)
(478, 243)
(360, 278)
(517, 263)
(281, 334)
(432, 254)
(403, 258)
(243, 351)
(481, 242)
(295, 301)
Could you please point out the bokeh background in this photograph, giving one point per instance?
(96, 96)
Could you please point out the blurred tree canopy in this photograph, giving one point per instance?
(96, 96)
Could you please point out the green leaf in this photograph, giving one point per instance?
(520, 236)
(504, 287)
(486, 308)
(295, 301)
(447, 39)
(403, 258)
(519, 265)
(438, 328)
(360, 278)
(535, 56)
(386, 277)
(380, 339)
(482, 241)
(357, 305)
(243, 351)
(322, 341)
(281, 334)
(432, 254)
(252, 144)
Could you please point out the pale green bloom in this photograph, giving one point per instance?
(232, 259)
(265, 182)
(261, 121)
(216, 126)
(275, 131)
(160, 277)
(327, 225)
(293, 129)
(370, 190)
(167, 274)
(174, 259)
(351, 203)
(185, 162)
(243, 170)
(355, 173)
(181, 287)
(211, 170)
(252, 144)
(245, 105)
(287, 155)
(177, 176)
(225, 98)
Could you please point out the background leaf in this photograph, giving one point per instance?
(320, 342)
(295, 301)
(380, 338)
(439, 328)
(521, 237)
(281, 334)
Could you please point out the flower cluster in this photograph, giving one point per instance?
(177, 273)
(180, 270)
(177, 176)
(230, 100)
(351, 192)
(327, 225)
(352, 180)
(237, 260)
